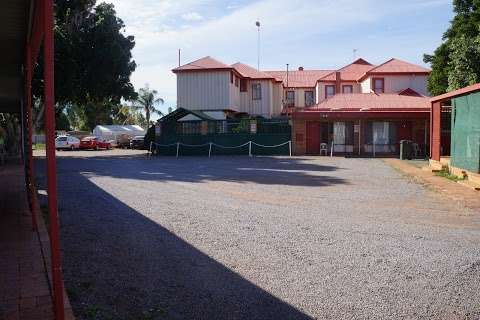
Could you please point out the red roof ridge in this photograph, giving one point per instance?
(359, 61)
(247, 71)
(410, 92)
(206, 62)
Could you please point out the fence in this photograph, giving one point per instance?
(251, 148)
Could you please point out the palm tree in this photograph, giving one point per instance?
(148, 101)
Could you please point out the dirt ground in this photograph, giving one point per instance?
(261, 238)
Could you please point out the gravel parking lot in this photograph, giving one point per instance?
(261, 238)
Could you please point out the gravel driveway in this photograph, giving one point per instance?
(262, 238)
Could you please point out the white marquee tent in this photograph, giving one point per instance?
(118, 132)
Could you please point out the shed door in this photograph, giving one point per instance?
(313, 137)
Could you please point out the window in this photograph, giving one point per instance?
(290, 98)
(243, 85)
(329, 91)
(231, 77)
(378, 85)
(236, 82)
(194, 127)
(256, 91)
(309, 98)
(347, 88)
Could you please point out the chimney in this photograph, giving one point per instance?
(338, 80)
(300, 68)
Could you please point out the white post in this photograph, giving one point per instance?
(210, 150)
(331, 150)
(374, 147)
(250, 148)
(178, 147)
(290, 147)
(151, 143)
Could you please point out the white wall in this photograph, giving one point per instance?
(205, 90)
(263, 107)
(397, 83)
(277, 101)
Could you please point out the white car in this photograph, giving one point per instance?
(67, 142)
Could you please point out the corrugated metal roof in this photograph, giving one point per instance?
(398, 66)
(299, 78)
(372, 101)
(352, 72)
(250, 72)
(205, 63)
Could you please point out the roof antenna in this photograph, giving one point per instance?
(355, 54)
(179, 52)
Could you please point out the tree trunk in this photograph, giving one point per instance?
(147, 116)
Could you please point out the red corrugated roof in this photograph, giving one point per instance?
(205, 63)
(371, 102)
(299, 79)
(351, 72)
(398, 66)
(249, 72)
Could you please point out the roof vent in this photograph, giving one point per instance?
(300, 68)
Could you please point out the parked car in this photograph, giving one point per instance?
(137, 142)
(94, 143)
(66, 142)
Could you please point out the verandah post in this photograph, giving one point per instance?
(249, 148)
(210, 149)
(49, 92)
(178, 148)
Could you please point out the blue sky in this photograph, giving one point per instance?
(316, 34)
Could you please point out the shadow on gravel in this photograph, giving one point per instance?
(118, 264)
(261, 170)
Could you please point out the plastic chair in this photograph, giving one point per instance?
(324, 148)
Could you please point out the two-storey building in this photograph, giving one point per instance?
(358, 109)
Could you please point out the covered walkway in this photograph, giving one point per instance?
(31, 281)
(25, 290)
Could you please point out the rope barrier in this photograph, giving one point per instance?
(210, 144)
(278, 145)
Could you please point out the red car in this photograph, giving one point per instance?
(94, 143)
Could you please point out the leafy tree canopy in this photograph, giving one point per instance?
(455, 63)
(93, 61)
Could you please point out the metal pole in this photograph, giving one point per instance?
(48, 48)
(151, 143)
(250, 148)
(178, 147)
(290, 147)
(210, 150)
(179, 55)
(258, 44)
(374, 147)
(331, 150)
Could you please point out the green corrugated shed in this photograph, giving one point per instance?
(465, 145)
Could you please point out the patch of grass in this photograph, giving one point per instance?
(446, 174)
(39, 146)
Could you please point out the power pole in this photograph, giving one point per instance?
(257, 23)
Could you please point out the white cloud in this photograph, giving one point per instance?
(192, 16)
(292, 31)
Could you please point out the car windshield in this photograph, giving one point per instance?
(61, 138)
(89, 138)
